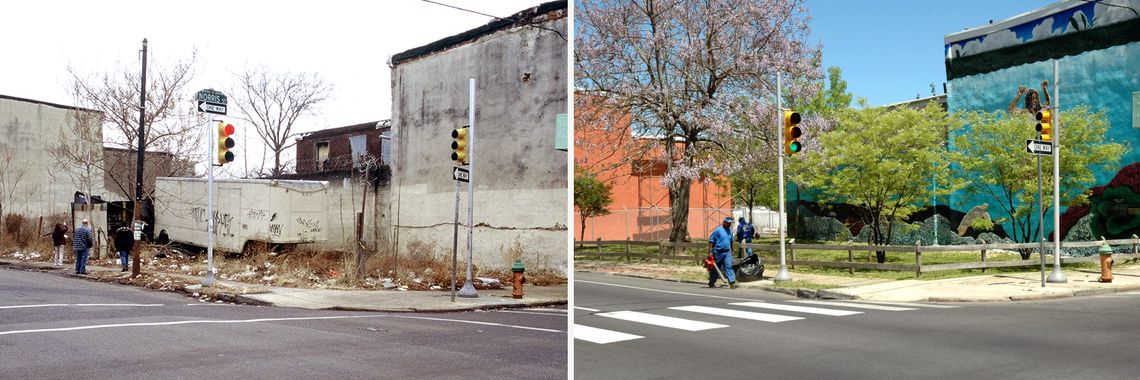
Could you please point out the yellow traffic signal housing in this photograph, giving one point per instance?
(1045, 124)
(459, 146)
(225, 143)
(792, 133)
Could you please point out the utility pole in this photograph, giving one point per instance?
(137, 217)
(782, 275)
(468, 290)
(1057, 276)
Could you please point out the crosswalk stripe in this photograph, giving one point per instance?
(915, 304)
(737, 313)
(661, 320)
(601, 336)
(856, 305)
(799, 309)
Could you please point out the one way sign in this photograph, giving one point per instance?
(461, 174)
(1044, 148)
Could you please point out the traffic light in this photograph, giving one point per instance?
(792, 133)
(225, 142)
(1045, 124)
(459, 146)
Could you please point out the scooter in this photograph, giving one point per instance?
(749, 269)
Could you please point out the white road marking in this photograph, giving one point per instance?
(737, 313)
(600, 336)
(587, 309)
(661, 320)
(668, 291)
(856, 305)
(798, 309)
(78, 305)
(151, 324)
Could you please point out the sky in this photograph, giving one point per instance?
(892, 50)
(348, 43)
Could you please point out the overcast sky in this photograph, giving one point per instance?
(346, 42)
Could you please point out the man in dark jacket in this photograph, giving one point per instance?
(124, 242)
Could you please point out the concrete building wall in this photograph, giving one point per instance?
(27, 129)
(520, 178)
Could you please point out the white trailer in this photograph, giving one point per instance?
(247, 212)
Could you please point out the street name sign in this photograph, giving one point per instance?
(212, 101)
(1044, 148)
(461, 174)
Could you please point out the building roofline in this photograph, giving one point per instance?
(366, 126)
(1011, 22)
(50, 104)
(521, 18)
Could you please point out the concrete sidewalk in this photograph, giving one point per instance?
(983, 288)
(334, 299)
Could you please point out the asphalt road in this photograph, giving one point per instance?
(54, 326)
(677, 330)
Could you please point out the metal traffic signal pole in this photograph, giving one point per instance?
(782, 274)
(468, 290)
(209, 280)
(1057, 276)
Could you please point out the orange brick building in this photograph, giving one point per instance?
(640, 208)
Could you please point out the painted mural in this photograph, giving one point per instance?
(1097, 47)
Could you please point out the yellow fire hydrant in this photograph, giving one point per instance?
(1105, 262)
(517, 279)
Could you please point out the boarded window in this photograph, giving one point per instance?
(359, 144)
(322, 149)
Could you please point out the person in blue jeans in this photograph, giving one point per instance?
(720, 247)
(744, 232)
(124, 242)
(82, 244)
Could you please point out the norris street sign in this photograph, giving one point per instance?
(1044, 148)
(461, 174)
(212, 101)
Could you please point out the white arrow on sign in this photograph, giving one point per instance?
(1039, 147)
(461, 174)
(217, 109)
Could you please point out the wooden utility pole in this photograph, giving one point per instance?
(137, 217)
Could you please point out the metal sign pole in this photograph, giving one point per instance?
(1040, 217)
(209, 280)
(455, 244)
(1057, 276)
(782, 274)
(468, 290)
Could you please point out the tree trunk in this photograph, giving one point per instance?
(583, 235)
(679, 201)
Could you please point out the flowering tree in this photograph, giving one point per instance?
(697, 78)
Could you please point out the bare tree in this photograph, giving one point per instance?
(11, 174)
(273, 102)
(172, 125)
(78, 150)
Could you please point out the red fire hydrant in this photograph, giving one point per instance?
(517, 279)
(1105, 262)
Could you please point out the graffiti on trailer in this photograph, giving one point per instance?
(275, 230)
(309, 225)
(198, 215)
(257, 215)
(223, 221)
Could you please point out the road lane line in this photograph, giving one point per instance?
(669, 291)
(764, 317)
(600, 336)
(587, 309)
(661, 320)
(152, 324)
(798, 309)
(856, 305)
(78, 305)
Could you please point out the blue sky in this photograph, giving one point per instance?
(892, 50)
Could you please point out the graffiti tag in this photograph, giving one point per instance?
(309, 225)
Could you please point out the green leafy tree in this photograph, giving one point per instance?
(881, 161)
(591, 197)
(754, 184)
(989, 150)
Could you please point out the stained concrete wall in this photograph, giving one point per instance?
(520, 178)
(27, 128)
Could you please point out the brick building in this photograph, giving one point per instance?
(342, 149)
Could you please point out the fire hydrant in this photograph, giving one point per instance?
(517, 280)
(1105, 262)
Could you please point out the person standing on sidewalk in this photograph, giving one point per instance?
(720, 247)
(744, 232)
(124, 242)
(82, 244)
(58, 240)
